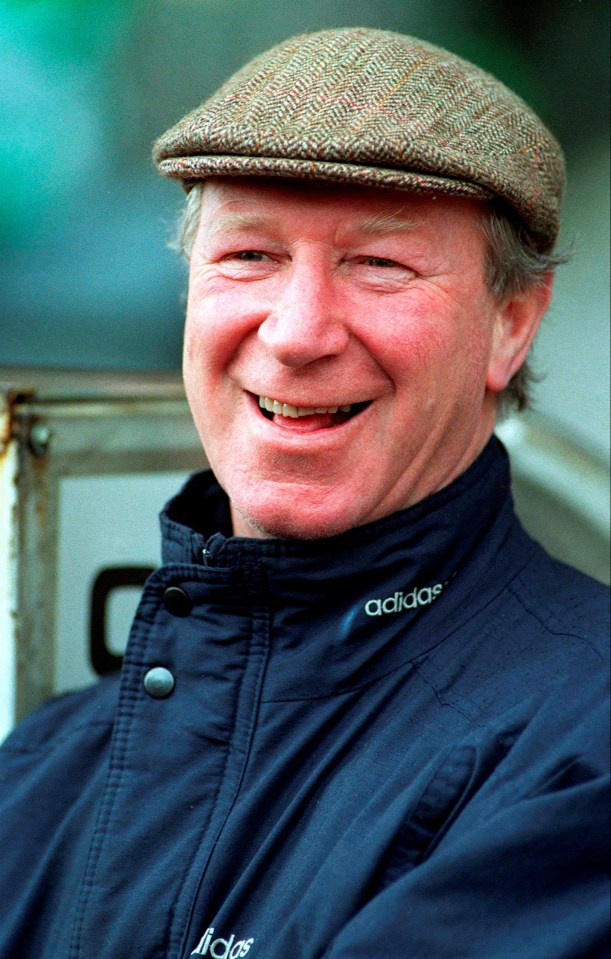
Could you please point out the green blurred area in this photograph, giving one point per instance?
(56, 67)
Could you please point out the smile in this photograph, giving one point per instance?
(334, 415)
(285, 409)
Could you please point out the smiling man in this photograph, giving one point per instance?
(343, 352)
(361, 713)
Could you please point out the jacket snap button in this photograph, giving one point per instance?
(176, 601)
(159, 682)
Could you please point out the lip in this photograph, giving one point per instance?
(269, 431)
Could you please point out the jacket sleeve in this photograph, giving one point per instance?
(527, 878)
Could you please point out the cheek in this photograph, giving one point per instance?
(188, 348)
(194, 365)
(441, 348)
(218, 324)
(206, 334)
(411, 341)
(198, 366)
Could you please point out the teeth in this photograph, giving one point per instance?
(286, 409)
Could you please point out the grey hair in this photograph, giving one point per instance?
(188, 221)
(511, 265)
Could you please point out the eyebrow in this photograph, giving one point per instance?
(384, 223)
(375, 225)
(239, 221)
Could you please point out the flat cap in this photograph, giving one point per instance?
(374, 108)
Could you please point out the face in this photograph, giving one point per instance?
(340, 348)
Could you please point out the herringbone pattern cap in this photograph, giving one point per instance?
(374, 108)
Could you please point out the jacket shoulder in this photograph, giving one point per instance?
(64, 716)
(564, 601)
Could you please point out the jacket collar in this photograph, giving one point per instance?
(348, 610)
(433, 535)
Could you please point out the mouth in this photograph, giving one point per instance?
(308, 418)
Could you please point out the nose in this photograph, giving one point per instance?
(305, 321)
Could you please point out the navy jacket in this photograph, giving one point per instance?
(391, 744)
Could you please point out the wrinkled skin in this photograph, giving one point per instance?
(321, 296)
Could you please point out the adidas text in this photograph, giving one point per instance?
(222, 948)
(399, 601)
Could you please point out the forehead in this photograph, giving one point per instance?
(236, 200)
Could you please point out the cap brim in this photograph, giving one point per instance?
(190, 169)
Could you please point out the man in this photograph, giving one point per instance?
(360, 713)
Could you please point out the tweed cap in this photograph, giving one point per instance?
(374, 108)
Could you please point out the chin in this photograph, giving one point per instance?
(290, 524)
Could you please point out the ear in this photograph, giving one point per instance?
(516, 324)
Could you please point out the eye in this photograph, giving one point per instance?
(381, 261)
(381, 273)
(248, 256)
(246, 264)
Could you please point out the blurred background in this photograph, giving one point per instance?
(86, 279)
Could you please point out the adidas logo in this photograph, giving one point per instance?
(399, 601)
(222, 948)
